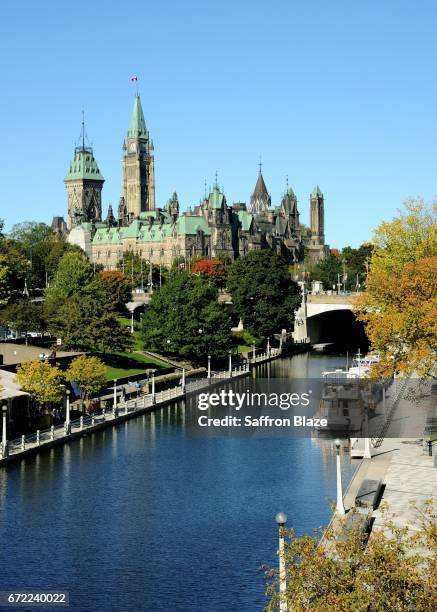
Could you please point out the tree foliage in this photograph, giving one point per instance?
(112, 288)
(184, 318)
(84, 323)
(395, 570)
(88, 372)
(4, 286)
(400, 305)
(41, 380)
(211, 268)
(263, 293)
(74, 272)
(24, 316)
(36, 251)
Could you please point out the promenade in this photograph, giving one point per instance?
(401, 460)
(45, 439)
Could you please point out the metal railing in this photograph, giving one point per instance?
(392, 404)
(103, 415)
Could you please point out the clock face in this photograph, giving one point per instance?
(132, 147)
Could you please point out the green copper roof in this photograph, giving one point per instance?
(291, 193)
(245, 219)
(84, 166)
(110, 235)
(316, 192)
(137, 127)
(191, 225)
(215, 199)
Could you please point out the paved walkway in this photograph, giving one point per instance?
(17, 353)
(403, 464)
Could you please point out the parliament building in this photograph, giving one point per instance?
(162, 235)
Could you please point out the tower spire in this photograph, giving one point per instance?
(260, 164)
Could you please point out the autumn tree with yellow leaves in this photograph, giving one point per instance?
(89, 373)
(399, 307)
(41, 380)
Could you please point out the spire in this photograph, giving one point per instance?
(316, 193)
(137, 127)
(260, 200)
(260, 190)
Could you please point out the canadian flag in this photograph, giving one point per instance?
(134, 78)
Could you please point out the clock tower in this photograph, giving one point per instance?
(138, 166)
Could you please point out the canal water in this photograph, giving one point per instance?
(145, 517)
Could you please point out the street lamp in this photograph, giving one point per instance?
(153, 386)
(114, 403)
(281, 519)
(4, 431)
(268, 346)
(230, 364)
(209, 366)
(340, 505)
(132, 323)
(67, 423)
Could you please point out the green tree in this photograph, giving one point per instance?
(84, 323)
(185, 319)
(41, 380)
(18, 264)
(37, 243)
(89, 373)
(329, 271)
(112, 288)
(24, 316)
(394, 571)
(74, 272)
(4, 287)
(263, 294)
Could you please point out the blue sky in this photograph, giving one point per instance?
(341, 94)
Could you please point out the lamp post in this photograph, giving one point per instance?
(209, 366)
(340, 505)
(230, 364)
(132, 323)
(67, 424)
(114, 403)
(183, 380)
(4, 431)
(153, 386)
(281, 519)
(254, 351)
(268, 346)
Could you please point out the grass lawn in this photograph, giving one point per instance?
(244, 349)
(119, 365)
(128, 363)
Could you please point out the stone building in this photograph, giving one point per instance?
(160, 235)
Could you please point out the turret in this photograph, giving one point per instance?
(317, 217)
(84, 185)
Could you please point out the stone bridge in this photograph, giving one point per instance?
(326, 318)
